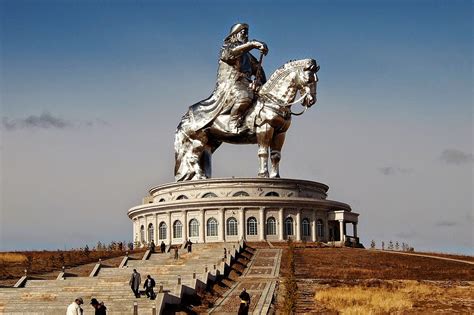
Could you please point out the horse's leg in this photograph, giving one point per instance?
(206, 162)
(198, 155)
(264, 137)
(275, 153)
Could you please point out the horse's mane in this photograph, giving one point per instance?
(284, 71)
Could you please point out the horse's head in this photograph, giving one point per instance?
(294, 76)
(308, 81)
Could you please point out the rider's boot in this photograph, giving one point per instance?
(237, 114)
(235, 122)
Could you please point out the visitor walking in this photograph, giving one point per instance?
(244, 303)
(152, 247)
(149, 285)
(75, 307)
(134, 282)
(189, 244)
(100, 308)
(163, 247)
(176, 255)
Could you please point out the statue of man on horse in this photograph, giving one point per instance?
(234, 91)
(244, 108)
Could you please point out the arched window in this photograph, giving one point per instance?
(193, 227)
(271, 226)
(209, 195)
(162, 231)
(231, 226)
(151, 232)
(272, 194)
(212, 227)
(177, 229)
(181, 197)
(162, 200)
(142, 234)
(305, 226)
(252, 226)
(240, 194)
(320, 228)
(289, 226)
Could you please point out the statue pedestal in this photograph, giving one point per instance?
(229, 209)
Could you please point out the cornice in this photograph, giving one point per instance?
(237, 202)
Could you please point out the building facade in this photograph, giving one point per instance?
(230, 209)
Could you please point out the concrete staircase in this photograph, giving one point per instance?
(175, 279)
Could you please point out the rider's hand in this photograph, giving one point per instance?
(261, 46)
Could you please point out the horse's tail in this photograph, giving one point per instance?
(181, 143)
(186, 151)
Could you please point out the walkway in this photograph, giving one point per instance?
(259, 279)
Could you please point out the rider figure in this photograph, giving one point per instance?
(236, 67)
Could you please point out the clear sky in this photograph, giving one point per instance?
(92, 91)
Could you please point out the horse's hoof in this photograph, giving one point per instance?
(263, 175)
(275, 176)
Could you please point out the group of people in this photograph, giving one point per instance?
(149, 284)
(100, 309)
(75, 307)
(162, 247)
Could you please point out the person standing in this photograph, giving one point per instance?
(100, 308)
(149, 285)
(134, 282)
(75, 307)
(162, 247)
(244, 303)
(176, 255)
(152, 247)
(190, 244)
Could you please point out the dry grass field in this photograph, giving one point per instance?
(13, 264)
(358, 281)
(390, 296)
(348, 263)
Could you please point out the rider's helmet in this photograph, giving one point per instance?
(237, 28)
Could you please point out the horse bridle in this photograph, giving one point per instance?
(300, 99)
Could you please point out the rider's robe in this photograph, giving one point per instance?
(233, 80)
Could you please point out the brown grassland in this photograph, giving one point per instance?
(359, 281)
(13, 264)
(391, 296)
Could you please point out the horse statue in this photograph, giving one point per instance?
(265, 124)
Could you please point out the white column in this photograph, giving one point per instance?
(185, 225)
(146, 229)
(281, 225)
(155, 230)
(135, 229)
(326, 228)
(202, 224)
(354, 226)
(242, 222)
(341, 230)
(221, 225)
(262, 224)
(298, 224)
(169, 227)
(313, 226)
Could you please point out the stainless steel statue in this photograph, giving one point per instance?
(242, 110)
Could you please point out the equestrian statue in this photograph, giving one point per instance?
(244, 108)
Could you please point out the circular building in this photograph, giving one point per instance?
(231, 209)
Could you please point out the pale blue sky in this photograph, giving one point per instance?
(92, 91)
